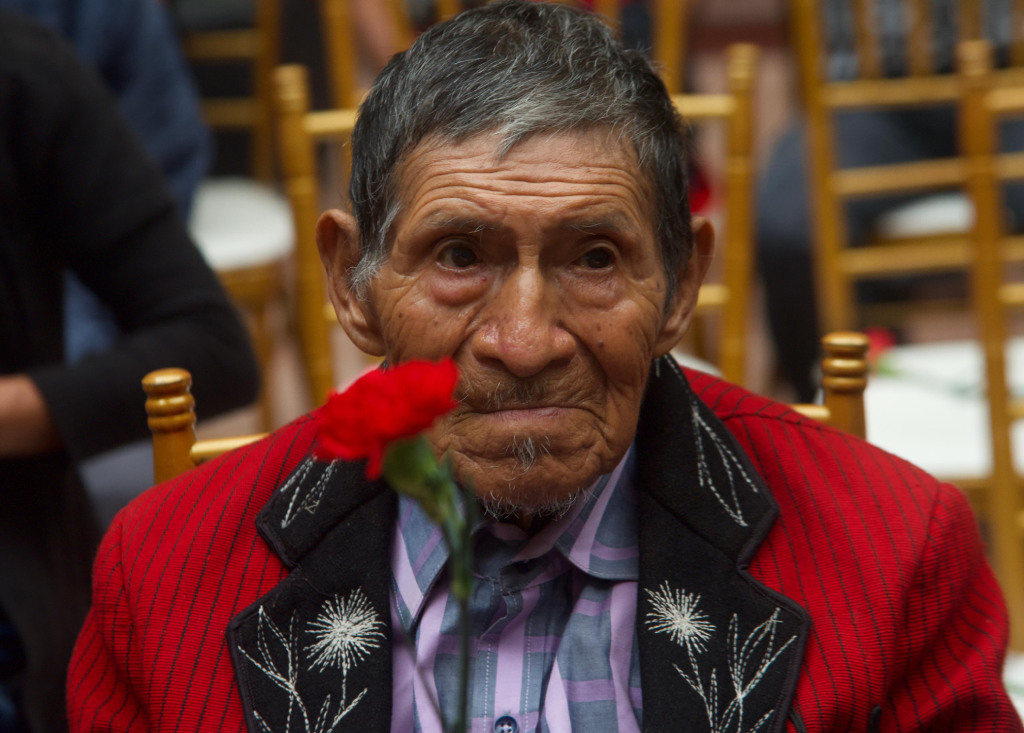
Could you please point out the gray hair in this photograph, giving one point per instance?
(517, 68)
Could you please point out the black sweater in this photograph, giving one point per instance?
(78, 193)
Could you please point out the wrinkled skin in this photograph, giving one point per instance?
(540, 273)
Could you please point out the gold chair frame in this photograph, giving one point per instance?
(839, 266)
(983, 104)
(171, 407)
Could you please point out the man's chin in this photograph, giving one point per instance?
(513, 492)
(513, 504)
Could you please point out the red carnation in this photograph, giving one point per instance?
(383, 406)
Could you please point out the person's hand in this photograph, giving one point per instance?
(25, 425)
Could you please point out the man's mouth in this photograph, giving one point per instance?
(512, 395)
(530, 412)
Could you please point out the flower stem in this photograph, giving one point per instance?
(462, 585)
(411, 468)
(463, 712)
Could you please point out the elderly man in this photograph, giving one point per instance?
(663, 551)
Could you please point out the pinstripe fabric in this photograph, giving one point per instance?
(889, 564)
(907, 628)
(537, 602)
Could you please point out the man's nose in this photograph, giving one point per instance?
(524, 329)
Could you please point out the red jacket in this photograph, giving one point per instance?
(853, 585)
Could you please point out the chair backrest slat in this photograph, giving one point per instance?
(448, 8)
(979, 125)
(268, 23)
(298, 163)
(739, 231)
(1017, 36)
(869, 61)
(970, 19)
(670, 26)
(340, 51)
(918, 40)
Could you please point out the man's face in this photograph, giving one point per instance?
(541, 275)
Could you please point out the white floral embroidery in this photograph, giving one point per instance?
(347, 630)
(734, 470)
(311, 499)
(675, 613)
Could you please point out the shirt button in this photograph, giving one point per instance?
(506, 724)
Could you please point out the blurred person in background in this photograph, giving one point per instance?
(133, 46)
(78, 193)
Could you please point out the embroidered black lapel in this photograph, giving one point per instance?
(719, 651)
(314, 654)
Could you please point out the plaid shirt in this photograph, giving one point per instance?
(552, 617)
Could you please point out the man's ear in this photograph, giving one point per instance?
(337, 238)
(688, 281)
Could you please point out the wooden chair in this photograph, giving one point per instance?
(242, 225)
(258, 45)
(729, 297)
(839, 265)
(983, 105)
(300, 131)
(171, 407)
(668, 25)
(341, 46)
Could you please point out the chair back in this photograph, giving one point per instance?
(300, 130)
(259, 46)
(342, 45)
(729, 297)
(876, 81)
(984, 104)
(668, 28)
(171, 407)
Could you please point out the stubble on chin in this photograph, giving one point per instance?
(520, 475)
(527, 482)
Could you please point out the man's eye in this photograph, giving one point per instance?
(458, 257)
(597, 259)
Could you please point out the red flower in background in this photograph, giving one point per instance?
(383, 406)
(880, 340)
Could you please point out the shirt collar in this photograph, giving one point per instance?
(598, 536)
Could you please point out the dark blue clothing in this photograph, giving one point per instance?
(133, 47)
